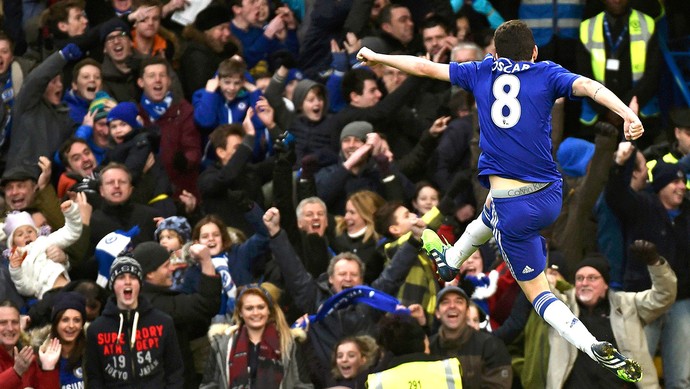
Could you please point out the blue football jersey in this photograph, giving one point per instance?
(514, 101)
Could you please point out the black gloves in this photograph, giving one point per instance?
(179, 161)
(384, 165)
(645, 252)
(281, 58)
(310, 165)
(239, 198)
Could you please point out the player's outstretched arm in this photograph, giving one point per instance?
(407, 63)
(584, 86)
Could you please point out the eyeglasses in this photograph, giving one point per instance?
(589, 278)
(112, 38)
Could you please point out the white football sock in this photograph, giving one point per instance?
(475, 235)
(562, 319)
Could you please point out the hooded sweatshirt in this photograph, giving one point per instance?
(133, 349)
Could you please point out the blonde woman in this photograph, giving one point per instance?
(258, 351)
(356, 233)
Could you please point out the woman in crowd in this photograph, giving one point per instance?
(258, 351)
(233, 262)
(356, 232)
(68, 318)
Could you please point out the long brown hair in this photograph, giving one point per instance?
(275, 313)
(74, 359)
(213, 219)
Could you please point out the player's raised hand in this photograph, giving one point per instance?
(632, 126)
(366, 56)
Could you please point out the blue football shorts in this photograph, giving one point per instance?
(517, 222)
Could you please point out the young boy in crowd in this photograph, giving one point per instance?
(32, 272)
(130, 145)
(94, 129)
(225, 100)
(395, 221)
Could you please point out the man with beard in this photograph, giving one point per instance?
(612, 315)
(663, 218)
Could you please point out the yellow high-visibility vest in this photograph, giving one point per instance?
(640, 28)
(419, 375)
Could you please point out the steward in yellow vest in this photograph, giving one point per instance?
(606, 51)
(410, 365)
(418, 374)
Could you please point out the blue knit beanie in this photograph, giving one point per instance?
(127, 112)
(178, 224)
(574, 155)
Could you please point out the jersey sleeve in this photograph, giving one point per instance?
(464, 74)
(562, 81)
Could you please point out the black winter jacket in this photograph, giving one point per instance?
(133, 349)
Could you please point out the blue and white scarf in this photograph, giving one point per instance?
(156, 110)
(7, 89)
(356, 295)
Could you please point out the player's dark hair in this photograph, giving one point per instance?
(514, 40)
(353, 81)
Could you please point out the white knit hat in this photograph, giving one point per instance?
(15, 220)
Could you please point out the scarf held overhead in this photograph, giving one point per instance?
(356, 295)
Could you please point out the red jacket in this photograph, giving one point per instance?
(32, 378)
(179, 135)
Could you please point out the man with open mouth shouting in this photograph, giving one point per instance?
(132, 344)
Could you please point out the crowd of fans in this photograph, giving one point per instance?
(182, 181)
